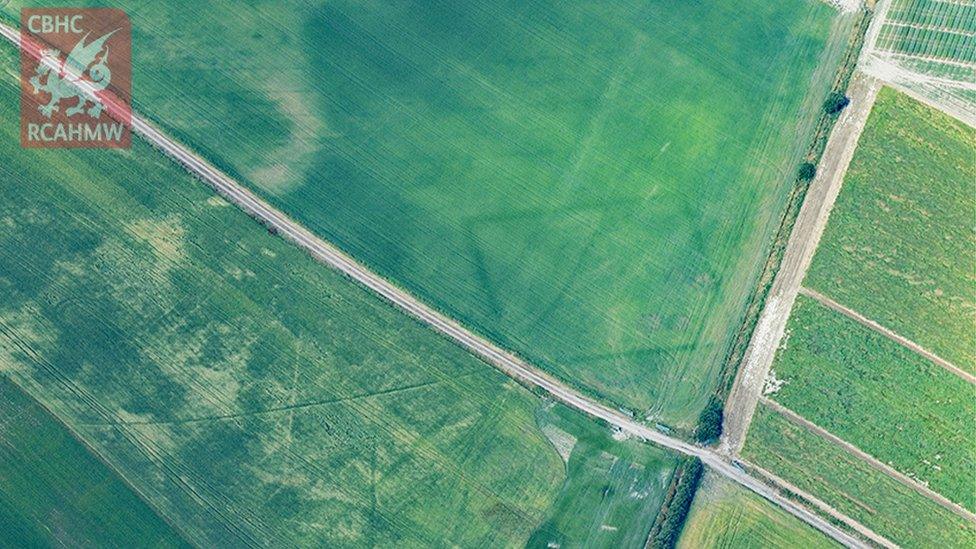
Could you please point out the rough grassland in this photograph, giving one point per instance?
(900, 245)
(881, 397)
(726, 515)
(591, 185)
(53, 492)
(254, 396)
(850, 485)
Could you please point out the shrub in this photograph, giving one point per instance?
(710, 422)
(807, 171)
(835, 102)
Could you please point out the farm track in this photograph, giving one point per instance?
(503, 360)
(903, 341)
(822, 505)
(880, 466)
(810, 224)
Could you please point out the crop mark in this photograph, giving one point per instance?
(288, 408)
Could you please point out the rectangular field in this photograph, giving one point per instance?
(592, 186)
(852, 486)
(885, 399)
(53, 492)
(727, 515)
(900, 243)
(937, 30)
(254, 397)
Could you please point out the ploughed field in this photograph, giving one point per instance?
(898, 249)
(724, 514)
(591, 186)
(250, 395)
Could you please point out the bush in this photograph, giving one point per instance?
(807, 171)
(835, 102)
(710, 422)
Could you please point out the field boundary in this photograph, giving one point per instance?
(509, 364)
(803, 242)
(890, 334)
(880, 466)
(738, 349)
(799, 493)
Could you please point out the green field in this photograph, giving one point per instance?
(53, 492)
(592, 186)
(931, 29)
(881, 397)
(725, 515)
(253, 396)
(852, 486)
(900, 243)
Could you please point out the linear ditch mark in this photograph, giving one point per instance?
(882, 467)
(903, 341)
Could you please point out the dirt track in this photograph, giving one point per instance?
(809, 226)
(869, 459)
(903, 341)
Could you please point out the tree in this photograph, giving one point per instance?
(710, 422)
(835, 102)
(807, 171)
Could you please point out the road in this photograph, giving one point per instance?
(503, 360)
(809, 226)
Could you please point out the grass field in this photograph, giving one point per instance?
(726, 515)
(591, 186)
(881, 397)
(254, 396)
(851, 486)
(900, 243)
(53, 492)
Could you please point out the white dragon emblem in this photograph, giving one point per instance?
(85, 63)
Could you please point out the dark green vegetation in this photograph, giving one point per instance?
(836, 102)
(725, 515)
(807, 171)
(852, 486)
(673, 514)
(881, 397)
(899, 246)
(592, 186)
(53, 492)
(710, 422)
(254, 396)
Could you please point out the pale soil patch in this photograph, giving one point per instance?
(217, 202)
(562, 441)
(165, 236)
(33, 334)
